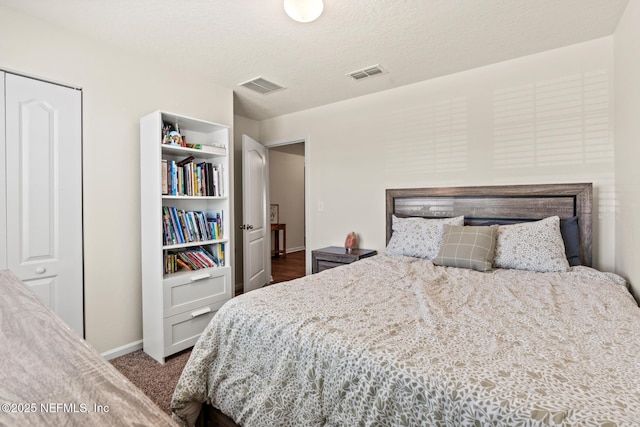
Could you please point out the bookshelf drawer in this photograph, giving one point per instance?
(182, 330)
(190, 290)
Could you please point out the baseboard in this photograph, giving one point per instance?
(298, 249)
(122, 350)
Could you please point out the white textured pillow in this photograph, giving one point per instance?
(418, 237)
(535, 246)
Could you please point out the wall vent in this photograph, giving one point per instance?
(371, 71)
(261, 85)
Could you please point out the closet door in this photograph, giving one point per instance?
(44, 192)
(3, 194)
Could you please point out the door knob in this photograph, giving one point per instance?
(249, 227)
(40, 270)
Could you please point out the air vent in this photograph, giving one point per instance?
(371, 71)
(261, 85)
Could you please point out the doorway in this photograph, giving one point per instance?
(287, 198)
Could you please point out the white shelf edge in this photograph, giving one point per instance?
(186, 273)
(191, 244)
(178, 150)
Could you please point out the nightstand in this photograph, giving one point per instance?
(335, 256)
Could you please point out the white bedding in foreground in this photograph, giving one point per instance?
(397, 341)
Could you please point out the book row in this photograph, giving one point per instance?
(193, 259)
(180, 226)
(186, 178)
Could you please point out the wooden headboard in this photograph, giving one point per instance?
(506, 203)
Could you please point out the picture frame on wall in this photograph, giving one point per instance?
(274, 214)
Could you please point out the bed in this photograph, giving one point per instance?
(404, 340)
(51, 377)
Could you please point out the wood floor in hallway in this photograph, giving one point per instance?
(288, 267)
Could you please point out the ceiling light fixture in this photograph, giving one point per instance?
(303, 10)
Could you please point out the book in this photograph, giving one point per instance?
(195, 187)
(188, 260)
(221, 254)
(171, 238)
(202, 219)
(192, 227)
(202, 168)
(174, 177)
(204, 260)
(183, 265)
(214, 224)
(183, 226)
(216, 182)
(185, 161)
(219, 176)
(202, 225)
(186, 179)
(176, 225)
(164, 169)
(169, 235)
(180, 181)
(196, 259)
(199, 187)
(210, 187)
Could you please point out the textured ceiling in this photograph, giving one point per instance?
(232, 41)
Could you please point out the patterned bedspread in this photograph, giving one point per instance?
(397, 341)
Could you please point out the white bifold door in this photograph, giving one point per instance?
(41, 191)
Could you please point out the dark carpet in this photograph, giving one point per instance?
(155, 380)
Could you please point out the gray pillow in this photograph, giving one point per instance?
(571, 237)
(468, 247)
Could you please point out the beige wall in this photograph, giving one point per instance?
(556, 106)
(627, 105)
(118, 88)
(286, 189)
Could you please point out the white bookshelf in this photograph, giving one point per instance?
(176, 307)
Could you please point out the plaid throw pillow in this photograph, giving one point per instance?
(468, 247)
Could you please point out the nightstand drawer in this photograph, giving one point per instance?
(193, 289)
(182, 330)
(322, 265)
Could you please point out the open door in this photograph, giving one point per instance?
(255, 225)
